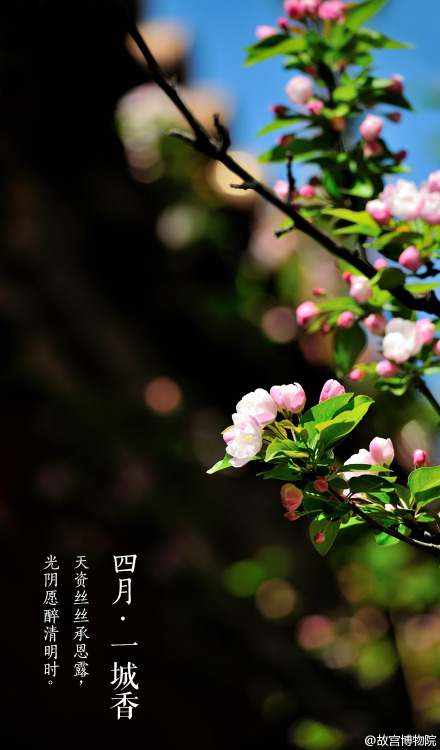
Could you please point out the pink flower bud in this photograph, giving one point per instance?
(347, 276)
(373, 148)
(427, 330)
(307, 191)
(436, 348)
(400, 155)
(382, 451)
(320, 484)
(294, 9)
(331, 388)
(397, 83)
(290, 398)
(332, 10)
(279, 110)
(306, 313)
(429, 209)
(291, 496)
(375, 324)
(371, 127)
(360, 289)
(389, 507)
(319, 291)
(311, 71)
(345, 319)
(299, 90)
(379, 211)
(356, 375)
(281, 188)
(263, 32)
(411, 259)
(315, 106)
(434, 182)
(285, 140)
(420, 458)
(311, 6)
(319, 537)
(394, 116)
(291, 516)
(338, 124)
(380, 263)
(386, 369)
(283, 23)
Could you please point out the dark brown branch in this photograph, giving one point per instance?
(433, 549)
(216, 149)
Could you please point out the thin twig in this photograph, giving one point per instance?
(433, 549)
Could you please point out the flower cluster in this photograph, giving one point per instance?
(404, 200)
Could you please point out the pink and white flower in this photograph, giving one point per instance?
(429, 209)
(375, 324)
(263, 32)
(382, 451)
(299, 90)
(427, 330)
(360, 289)
(402, 340)
(246, 443)
(420, 458)
(331, 388)
(332, 10)
(306, 312)
(294, 9)
(315, 106)
(371, 127)
(346, 319)
(411, 258)
(386, 369)
(434, 182)
(403, 199)
(291, 496)
(379, 211)
(257, 404)
(290, 398)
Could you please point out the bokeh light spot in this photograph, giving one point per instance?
(163, 395)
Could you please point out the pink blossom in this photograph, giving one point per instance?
(281, 188)
(283, 23)
(347, 276)
(356, 375)
(246, 443)
(230, 434)
(382, 451)
(371, 127)
(320, 484)
(379, 211)
(372, 148)
(285, 140)
(319, 537)
(403, 199)
(436, 349)
(397, 83)
(315, 106)
(400, 155)
(290, 398)
(311, 6)
(307, 191)
(319, 291)
(363, 457)
(331, 388)
(386, 369)
(380, 263)
(291, 496)
(332, 10)
(420, 458)
(263, 32)
(429, 209)
(394, 116)
(360, 289)
(411, 259)
(299, 90)
(402, 340)
(345, 320)
(291, 516)
(434, 182)
(259, 404)
(427, 330)
(375, 324)
(306, 312)
(278, 109)
(294, 9)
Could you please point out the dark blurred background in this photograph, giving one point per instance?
(139, 300)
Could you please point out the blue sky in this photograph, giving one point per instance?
(222, 30)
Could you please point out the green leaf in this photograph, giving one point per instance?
(284, 473)
(329, 529)
(364, 483)
(362, 467)
(389, 278)
(361, 12)
(362, 188)
(279, 44)
(359, 229)
(421, 287)
(345, 93)
(355, 217)
(349, 342)
(368, 39)
(281, 122)
(301, 148)
(339, 304)
(314, 504)
(325, 410)
(288, 447)
(331, 431)
(424, 483)
(223, 464)
(385, 540)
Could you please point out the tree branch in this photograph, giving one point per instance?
(433, 549)
(217, 150)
